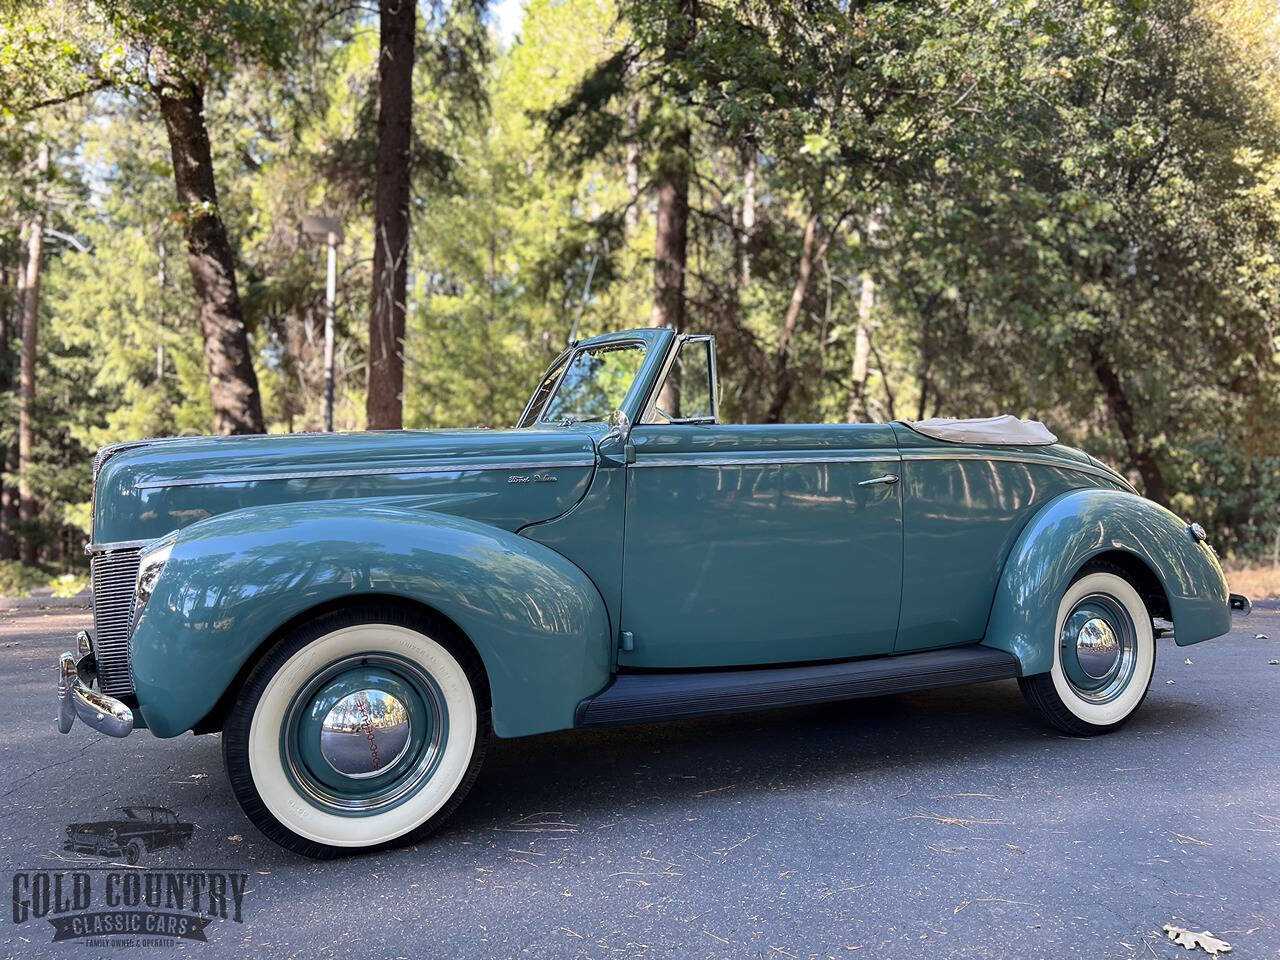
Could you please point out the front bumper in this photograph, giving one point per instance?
(94, 846)
(77, 698)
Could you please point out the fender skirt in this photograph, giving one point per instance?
(1077, 526)
(233, 580)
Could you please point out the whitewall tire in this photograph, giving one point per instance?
(1104, 655)
(362, 728)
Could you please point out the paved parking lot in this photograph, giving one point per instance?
(933, 825)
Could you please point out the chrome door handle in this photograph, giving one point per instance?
(887, 478)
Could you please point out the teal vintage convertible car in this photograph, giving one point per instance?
(358, 614)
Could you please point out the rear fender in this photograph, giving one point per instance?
(1074, 528)
(232, 581)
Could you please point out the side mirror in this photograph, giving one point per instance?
(619, 427)
(619, 430)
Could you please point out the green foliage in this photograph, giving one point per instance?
(69, 585)
(17, 580)
(511, 247)
(206, 36)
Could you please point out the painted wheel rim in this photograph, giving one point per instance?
(1098, 648)
(364, 734)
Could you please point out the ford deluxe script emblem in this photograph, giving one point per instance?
(536, 478)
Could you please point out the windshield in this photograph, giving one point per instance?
(593, 385)
(539, 399)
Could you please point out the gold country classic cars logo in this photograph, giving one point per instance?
(118, 908)
(117, 904)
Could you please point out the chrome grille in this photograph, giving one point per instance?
(114, 575)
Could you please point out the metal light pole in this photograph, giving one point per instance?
(330, 230)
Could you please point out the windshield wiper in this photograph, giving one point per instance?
(570, 421)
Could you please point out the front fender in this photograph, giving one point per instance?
(233, 580)
(1082, 524)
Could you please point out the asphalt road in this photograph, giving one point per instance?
(942, 824)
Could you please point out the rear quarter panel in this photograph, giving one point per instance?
(963, 509)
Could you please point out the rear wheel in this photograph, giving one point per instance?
(1103, 659)
(363, 728)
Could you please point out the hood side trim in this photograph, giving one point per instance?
(406, 470)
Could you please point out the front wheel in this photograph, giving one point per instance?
(133, 852)
(363, 728)
(1103, 659)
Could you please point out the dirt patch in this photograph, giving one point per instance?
(1256, 583)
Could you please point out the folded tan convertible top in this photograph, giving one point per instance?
(1007, 430)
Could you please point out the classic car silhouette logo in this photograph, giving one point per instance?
(113, 906)
(141, 830)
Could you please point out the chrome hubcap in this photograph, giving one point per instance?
(1098, 648)
(364, 733)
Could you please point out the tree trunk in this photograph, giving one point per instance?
(1140, 457)
(9, 505)
(4, 322)
(671, 243)
(670, 248)
(384, 405)
(857, 409)
(632, 219)
(237, 403)
(27, 508)
(782, 370)
(924, 377)
(748, 214)
(12, 323)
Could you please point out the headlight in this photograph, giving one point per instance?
(150, 564)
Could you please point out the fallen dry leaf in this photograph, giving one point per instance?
(1187, 661)
(1169, 682)
(1273, 663)
(1189, 940)
(235, 838)
(1260, 636)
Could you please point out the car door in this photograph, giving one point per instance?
(754, 544)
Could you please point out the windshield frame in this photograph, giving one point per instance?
(564, 357)
(573, 352)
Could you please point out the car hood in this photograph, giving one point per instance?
(95, 826)
(509, 478)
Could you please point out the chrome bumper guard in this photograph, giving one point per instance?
(1240, 605)
(77, 698)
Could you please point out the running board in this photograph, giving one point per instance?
(642, 697)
